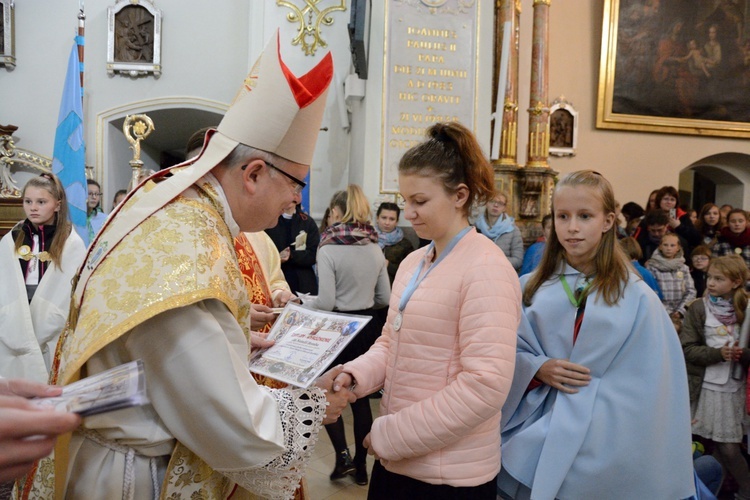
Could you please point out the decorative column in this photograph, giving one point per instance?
(538, 106)
(508, 10)
(536, 179)
(506, 165)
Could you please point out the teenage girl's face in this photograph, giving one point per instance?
(719, 285)
(737, 223)
(40, 206)
(667, 202)
(95, 195)
(711, 217)
(496, 206)
(700, 262)
(432, 211)
(387, 220)
(580, 222)
(669, 246)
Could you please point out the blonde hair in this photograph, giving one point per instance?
(353, 204)
(735, 269)
(611, 266)
(63, 227)
(632, 248)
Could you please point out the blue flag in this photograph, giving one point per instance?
(69, 157)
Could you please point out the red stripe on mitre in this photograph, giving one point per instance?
(307, 88)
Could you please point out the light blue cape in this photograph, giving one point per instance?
(626, 434)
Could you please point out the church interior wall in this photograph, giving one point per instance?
(207, 50)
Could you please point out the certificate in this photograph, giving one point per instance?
(306, 342)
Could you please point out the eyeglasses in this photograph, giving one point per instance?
(95, 195)
(299, 185)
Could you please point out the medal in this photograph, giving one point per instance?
(722, 330)
(418, 277)
(397, 321)
(25, 253)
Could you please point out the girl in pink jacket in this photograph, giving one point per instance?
(446, 356)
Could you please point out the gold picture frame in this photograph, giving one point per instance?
(659, 70)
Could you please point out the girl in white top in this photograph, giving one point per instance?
(38, 258)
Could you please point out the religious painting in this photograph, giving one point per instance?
(563, 128)
(7, 50)
(676, 66)
(134, 39)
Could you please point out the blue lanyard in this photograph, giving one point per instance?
(416, 280)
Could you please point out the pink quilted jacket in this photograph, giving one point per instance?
(447, 372)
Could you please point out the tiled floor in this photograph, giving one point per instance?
(319, 486)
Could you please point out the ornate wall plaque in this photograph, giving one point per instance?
(7, 48)
(430, 74)
(134, 38)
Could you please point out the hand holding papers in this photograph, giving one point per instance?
(306, 342)
(27, 432)
(120, 387)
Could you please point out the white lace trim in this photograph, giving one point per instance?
(301, 412)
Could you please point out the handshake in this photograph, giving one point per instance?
(337, 386)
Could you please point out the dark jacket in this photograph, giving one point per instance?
(394, 254)
(298, 270)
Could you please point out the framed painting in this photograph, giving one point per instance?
(134, 38)
(675, 66)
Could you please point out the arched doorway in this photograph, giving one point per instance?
(175, 119)
(722, 178)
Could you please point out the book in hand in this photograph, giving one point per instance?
(306, 343)
(117, 388)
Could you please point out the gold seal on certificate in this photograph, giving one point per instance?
(397, 321)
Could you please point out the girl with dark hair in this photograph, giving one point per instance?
(575, 416)
(95, 216)
(668, 200)
(119, 196)
(445, 359)
(709, 224)
(39, 257)
(734, 238)
(391, 237)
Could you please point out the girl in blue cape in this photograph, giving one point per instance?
(599, 402)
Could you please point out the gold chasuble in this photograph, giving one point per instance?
(180, 255)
